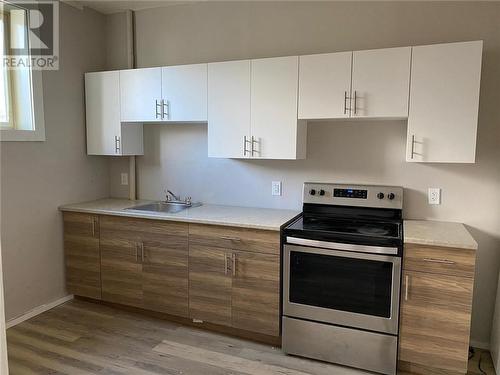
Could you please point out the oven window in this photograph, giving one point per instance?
(346, 284)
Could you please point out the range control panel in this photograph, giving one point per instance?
(353, 195)
(350, 193)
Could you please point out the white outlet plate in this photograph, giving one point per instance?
(434, 195)
(276, 188)
(124, 178)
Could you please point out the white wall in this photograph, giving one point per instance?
(356, 151)
(37, 177)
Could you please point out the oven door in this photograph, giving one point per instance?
(341, 287)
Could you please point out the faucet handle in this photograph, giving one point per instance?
(168, 197)
(188, 200)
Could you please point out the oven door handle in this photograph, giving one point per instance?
(343, 246)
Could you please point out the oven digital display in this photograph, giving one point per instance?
(350, 193)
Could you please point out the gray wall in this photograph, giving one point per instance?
(37, 177)
(356, 151)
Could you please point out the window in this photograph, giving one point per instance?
(21, 102)
(6, 120)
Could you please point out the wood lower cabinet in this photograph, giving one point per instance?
(121, 269)
(144, 263)
(210, 284)
(436, 309)
(234, 279)
(256, 292)
(164, 257)
(82, 254)
(221, 275)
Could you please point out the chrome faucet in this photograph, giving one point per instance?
(171, 195)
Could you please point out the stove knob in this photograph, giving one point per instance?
(312, 192)
(321, 192)
(380, 195)
(391, 196)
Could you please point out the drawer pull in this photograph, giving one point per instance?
(442, 261)
(407, 280)
(230, 238)
(234, 264)
(225, 264)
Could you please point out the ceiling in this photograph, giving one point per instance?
(115, 6)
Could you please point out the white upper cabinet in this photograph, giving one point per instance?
(106, 134)
(444, 102)
(184, 93)
(229, 109)
(380, 83)
(140, 95)
(276, 133)
(325, 85)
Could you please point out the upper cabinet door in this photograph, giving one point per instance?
(229, 109)
(325, 85)
(275, 130)
(102, 102)
(140, 92)
(444, 102)
(184, 91)
(381, 83)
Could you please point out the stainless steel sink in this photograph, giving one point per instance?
(167, 207)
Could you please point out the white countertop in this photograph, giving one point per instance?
(246, 217)
(438, 233)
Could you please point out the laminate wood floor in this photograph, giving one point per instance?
(81, 337)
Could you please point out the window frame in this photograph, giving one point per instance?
(12, 134)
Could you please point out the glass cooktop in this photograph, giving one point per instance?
(347, 230)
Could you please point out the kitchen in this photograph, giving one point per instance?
(176, 156)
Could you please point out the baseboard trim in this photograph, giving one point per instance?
(480, 344)
(37, 311)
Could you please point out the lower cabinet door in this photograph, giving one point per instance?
(121, 268)
(435, 321)
(256, 292)
(82, 254)
(210, 284)
(164, 259)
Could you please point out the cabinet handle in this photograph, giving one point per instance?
(412, 146)
(345, 102)
(230, 238)
(165, 115)
(245, 141)
(234, 264)
(254, 141)
(142, 251)
(117, 144)
(225, 264)
(158, 104)
(136, 253)
(442, 261)
(93, 226)
(407, 280)
(355, 100)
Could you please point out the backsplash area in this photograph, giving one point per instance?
(371, 152)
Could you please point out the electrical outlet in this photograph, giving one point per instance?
(124, 177)
(276, 188)
(434, 195)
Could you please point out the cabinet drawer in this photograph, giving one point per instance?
(254, 240)
(439, 260)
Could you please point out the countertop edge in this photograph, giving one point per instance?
(420, 241)
(455, 229)
(170, 218)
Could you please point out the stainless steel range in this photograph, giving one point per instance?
(342, 276)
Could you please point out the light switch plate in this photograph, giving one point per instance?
(124, 178)
(276, 188)
(434, 195)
